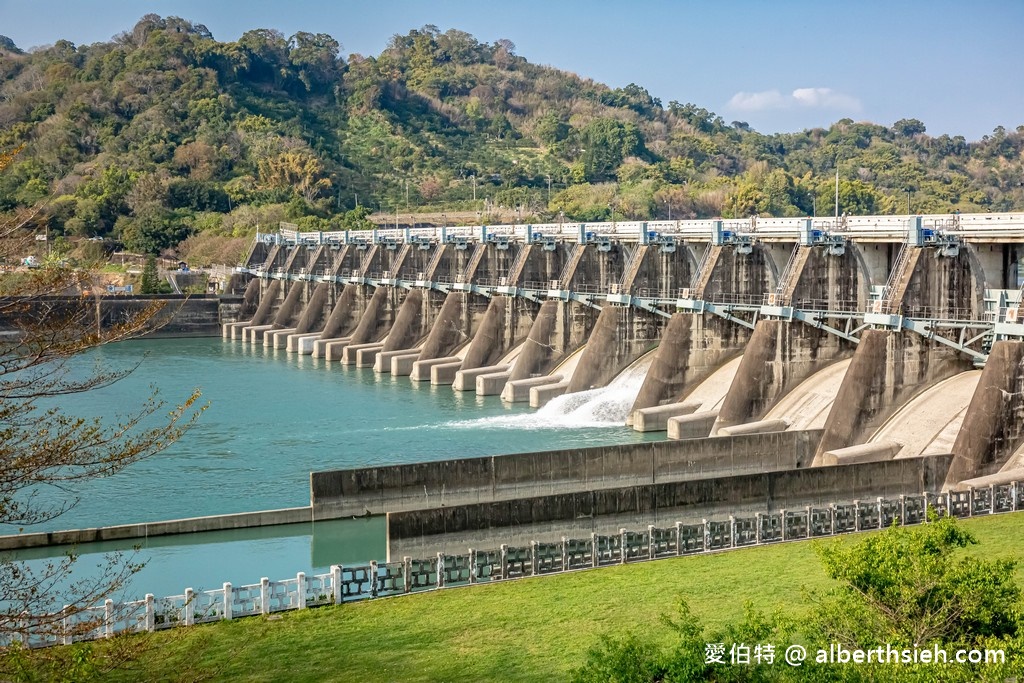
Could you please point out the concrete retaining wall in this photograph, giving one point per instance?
(195, 315)
(191, 525)
(377, 490)
(680, 500)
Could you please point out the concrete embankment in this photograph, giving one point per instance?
(195, 315)
(191, 525)
(663, 504)
(378, 490)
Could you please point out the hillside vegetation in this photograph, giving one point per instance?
(165, 132)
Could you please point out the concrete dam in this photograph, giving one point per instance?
(883, 355)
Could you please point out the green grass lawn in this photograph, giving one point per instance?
(525, 630)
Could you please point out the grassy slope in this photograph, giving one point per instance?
(533, 629)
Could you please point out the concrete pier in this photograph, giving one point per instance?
(693, 426)
(443, 374)
(886, 371)
(466, 379)
(402, 364)
(382, 363)
(540, 395)
(492, 384)
(656, 419)
(517, 391)
(993, 428)
(421, 369)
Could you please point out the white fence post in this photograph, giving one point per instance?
(65, 623)
(108, 618)
(300, 580)
(229, 599)
(622, 546)
(150, 612)
(264, 595)
(372, 576)
(472, 566)
(679, 538)
(534, 560)
(336, 573)
(651, 550)
(565, 554)
(190, 608)
(809, 511)
(440, 570)
(407, 573)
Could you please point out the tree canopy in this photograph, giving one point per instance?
(903, 590)
(165, 131)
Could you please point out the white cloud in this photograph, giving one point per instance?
(804, 98)
(825, 98)
(757, 101)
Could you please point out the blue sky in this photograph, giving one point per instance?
(779, 65)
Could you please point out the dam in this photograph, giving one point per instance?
(881, 339)
(712, 382)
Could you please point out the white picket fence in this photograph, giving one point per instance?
(381, 579)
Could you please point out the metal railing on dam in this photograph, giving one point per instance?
(376, 580)
(970, 227)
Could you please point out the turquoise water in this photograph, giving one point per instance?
(273, 417)
(242, 556)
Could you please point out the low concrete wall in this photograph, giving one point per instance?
(191, 525)
(681, 500)
(196, 315)
(377, 490)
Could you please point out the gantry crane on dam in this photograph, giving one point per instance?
(897, 336)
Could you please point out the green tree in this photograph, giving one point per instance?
(606, 143)
(903, 588)
(150, 277)
(42, 447)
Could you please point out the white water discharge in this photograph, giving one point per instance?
(606, 407)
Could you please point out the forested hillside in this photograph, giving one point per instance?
(164, 132)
